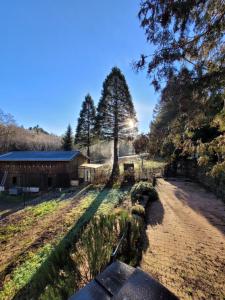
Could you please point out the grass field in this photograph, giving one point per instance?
(27, 237)
(9, 203)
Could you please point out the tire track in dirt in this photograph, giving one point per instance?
(186, 232)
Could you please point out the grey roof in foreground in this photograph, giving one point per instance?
(39, 155)
(120, 281)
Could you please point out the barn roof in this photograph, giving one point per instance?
(39, 155)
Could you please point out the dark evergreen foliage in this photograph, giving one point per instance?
(141, 143)
(38, 129)
(85, 131)
(183, 116)
(188, 66)
(184, 32)
(143, 188)
(67, 140)
(116, 117)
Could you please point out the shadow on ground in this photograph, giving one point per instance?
(154, 217)
(155, 213)
(60, 255)
(202, 201)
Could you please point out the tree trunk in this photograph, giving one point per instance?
(88, 153)
(115, 169)
(88, 146)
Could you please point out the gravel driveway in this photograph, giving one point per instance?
(186, 241)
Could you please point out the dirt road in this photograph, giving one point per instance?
(186, 236)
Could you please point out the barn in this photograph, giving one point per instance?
(40, 169)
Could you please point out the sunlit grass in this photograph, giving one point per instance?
(43, 208)
(23, 273)
(27, 218)
(95, 201)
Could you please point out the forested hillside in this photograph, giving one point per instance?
(188, 69)
(13, 137)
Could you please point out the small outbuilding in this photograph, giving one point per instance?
(40, 169)
(91, 172)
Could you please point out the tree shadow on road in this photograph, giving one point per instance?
(154, 217)
(154, 213)
(202, 201)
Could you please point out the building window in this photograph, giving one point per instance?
(14, 180)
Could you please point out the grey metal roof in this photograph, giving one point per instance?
(39, 155)
(120, 281)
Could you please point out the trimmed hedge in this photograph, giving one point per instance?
(138, 210)
(143, 188)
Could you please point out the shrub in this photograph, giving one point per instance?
(91, 253)
(93, 250)
(143, 188)
(138, 210)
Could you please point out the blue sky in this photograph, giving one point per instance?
(54, 52)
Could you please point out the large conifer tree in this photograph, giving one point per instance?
(67, 140)
(116, 117)
(86, 123)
